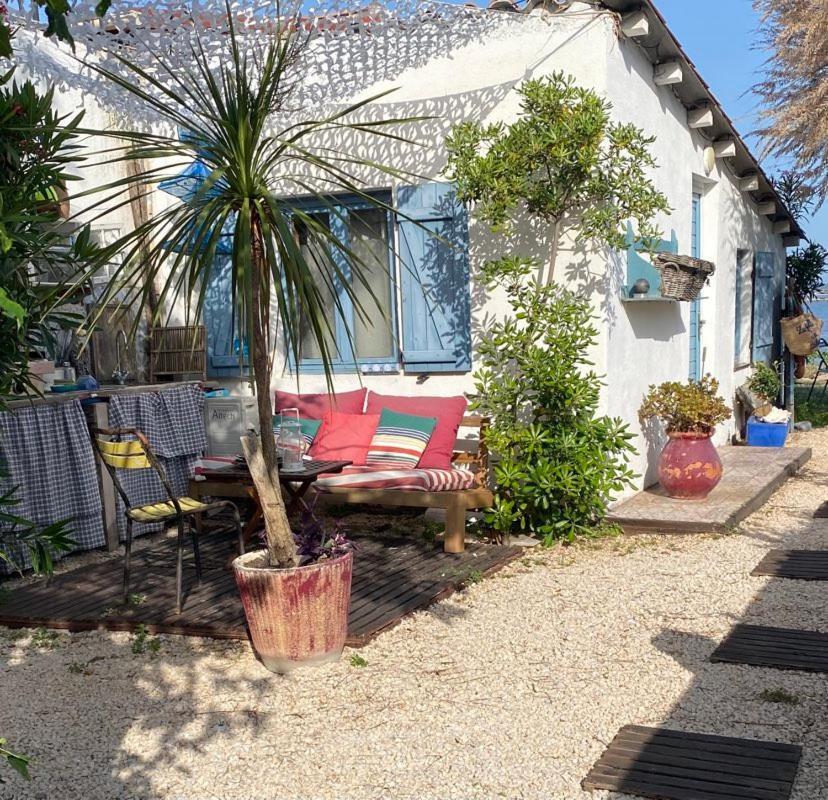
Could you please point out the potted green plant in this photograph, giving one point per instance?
(765, 384)
(256, 153)
(689, 467)
(767, 426)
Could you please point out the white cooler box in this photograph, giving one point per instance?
(226, 419)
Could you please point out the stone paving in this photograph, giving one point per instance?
(751, 475)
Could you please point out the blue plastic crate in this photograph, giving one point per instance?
(766, 434)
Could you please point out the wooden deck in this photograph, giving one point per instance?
(392, 578)
(674, 765)
(776, 648)
(803, 565)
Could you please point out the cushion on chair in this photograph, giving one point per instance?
(316, 406)
(400, 440)
(415, 480)
(309, 427)
(212, 462)
(156, 512)
(448, 411)
(345, 437)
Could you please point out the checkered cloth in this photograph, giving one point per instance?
(173, 421)
(47, 451)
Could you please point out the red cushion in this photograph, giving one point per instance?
(449, 412)
(345, 437)
(315, 406)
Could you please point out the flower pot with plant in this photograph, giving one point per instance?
(258, 149)
(765, 384)
(299, 616)
(689, 467)
(767, 425)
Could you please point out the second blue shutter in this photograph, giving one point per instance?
(436, 302)
(764, 307)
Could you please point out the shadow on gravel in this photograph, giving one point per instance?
(762, 703)
(111, 716)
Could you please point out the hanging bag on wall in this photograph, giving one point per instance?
(801, 333)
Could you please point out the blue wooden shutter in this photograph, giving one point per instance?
(695, 328)
(764, 307)
(436, 302)
(222, 338)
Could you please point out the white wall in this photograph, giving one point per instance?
(639, 345)
(649, 343)
(478, 82)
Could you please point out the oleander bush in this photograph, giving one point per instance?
(557, 463)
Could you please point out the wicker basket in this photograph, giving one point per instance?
(801, 334)
(682, 277)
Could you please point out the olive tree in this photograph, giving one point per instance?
(564, 161)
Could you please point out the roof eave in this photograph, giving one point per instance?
(661, 45)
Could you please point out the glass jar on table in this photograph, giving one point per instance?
(291, 442)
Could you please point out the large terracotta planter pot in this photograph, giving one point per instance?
(689, 467)
(296, 616)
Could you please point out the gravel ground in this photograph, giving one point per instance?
(510, 689)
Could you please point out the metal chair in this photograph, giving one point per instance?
(135, 453)
(822, 368)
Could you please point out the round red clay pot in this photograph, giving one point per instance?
(689, 467)
(296, 616)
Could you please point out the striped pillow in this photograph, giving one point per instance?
(400, 440)
(309, 428)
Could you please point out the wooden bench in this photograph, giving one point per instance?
(456, 503)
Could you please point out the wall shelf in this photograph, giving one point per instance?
(646, 298)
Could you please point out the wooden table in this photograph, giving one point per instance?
(234, 481)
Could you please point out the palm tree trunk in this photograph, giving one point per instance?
(280, 544)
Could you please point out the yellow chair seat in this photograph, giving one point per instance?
(159, 511)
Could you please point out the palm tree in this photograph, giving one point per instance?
(237, 123)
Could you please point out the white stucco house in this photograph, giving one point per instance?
(723, 210)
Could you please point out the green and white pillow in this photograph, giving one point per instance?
(309, 427)
(400, 440)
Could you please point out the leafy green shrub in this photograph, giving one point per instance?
(765, 381)
(805, 268)
(692, 407)
(565, 162)
(558, 464)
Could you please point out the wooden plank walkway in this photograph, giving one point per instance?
(822, 511)
(778, 648)
(673, 765)
(392, 578)
(803, 565)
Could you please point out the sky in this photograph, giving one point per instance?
(720, 37)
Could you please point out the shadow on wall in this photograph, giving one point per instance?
(658, 322)
(588, 272)
(423, 156)
(529, 238)
(653, 434)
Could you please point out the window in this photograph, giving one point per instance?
(416, 294)
(431, 330)
(367, 338)
(744, 308)
(104, 236)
